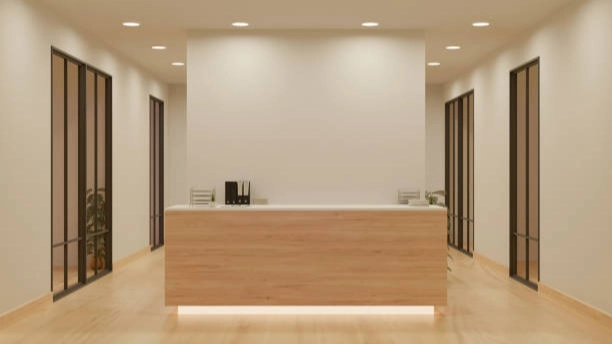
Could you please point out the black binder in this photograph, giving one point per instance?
(231, 192)
(246, 199)
(227, 192)
(234, 198)
(232, 195)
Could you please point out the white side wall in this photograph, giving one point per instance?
(434, 128)
(27, 33)
(176, 146)
(574, 47)
(309, 117)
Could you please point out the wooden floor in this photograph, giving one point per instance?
(127, 307)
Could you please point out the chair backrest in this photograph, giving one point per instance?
(403, 196)
(200, 196)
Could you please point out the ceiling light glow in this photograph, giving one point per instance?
(480, 24)
(369, 24)
(433, 64)
(178, 64)
(158, 47)
(453, 47)
(240, 24)
(131, 24)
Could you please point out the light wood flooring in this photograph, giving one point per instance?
(127, 306)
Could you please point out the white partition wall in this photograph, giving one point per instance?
(575, 166)
(29, 30)
(307, 116)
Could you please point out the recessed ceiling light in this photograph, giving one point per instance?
(131, 24)
(453, 47)
(433, 64)
(480, 24)
(240, 24)
(178, 64)
(158, 47)
(369, 24)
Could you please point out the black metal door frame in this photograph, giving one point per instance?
(82, 155)
(156, 214)
(454, 119)
(513, 230)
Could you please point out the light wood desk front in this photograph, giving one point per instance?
(305, 255)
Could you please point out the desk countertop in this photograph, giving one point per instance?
(309, 207)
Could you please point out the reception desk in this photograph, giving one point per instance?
(305, 256)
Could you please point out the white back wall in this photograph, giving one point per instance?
(575, 173)
(308, 117)
(176, 146)
(435, 137)
(28, 31)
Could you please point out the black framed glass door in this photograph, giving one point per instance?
(525, 173)
(156, 176)
(459, 167)
(67, 235)
(81, 177)
(98, 172)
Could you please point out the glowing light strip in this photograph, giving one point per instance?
(299, 310)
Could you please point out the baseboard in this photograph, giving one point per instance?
(493, 265)
(121, 263)
(23, 310)
(575, 304)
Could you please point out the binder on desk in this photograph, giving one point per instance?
(231, 190)
(234, 192)
(247, 192)
(238, 192)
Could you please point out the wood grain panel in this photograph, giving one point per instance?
(305, 258)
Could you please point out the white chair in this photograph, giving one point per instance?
(200, 197)
(404, 196)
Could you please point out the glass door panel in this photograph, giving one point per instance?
(156, 172)
(66, 230)
(533, 173)
(521, 257)
(456, 173)
(471, 170)
(152, 188)
(97, 205)
(459, 171)
(80, 201)
(464, 175)
(156, 165)
(58, 269)
(525, 174)
(73, 264)
(450, 193)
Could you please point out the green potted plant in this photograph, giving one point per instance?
(433, 197)
(213, 198)
(96, 222)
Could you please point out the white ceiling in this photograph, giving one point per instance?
(166, 22)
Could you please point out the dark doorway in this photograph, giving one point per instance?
(459, 166)
(156, 176)
(80, 173)
(525, 173)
